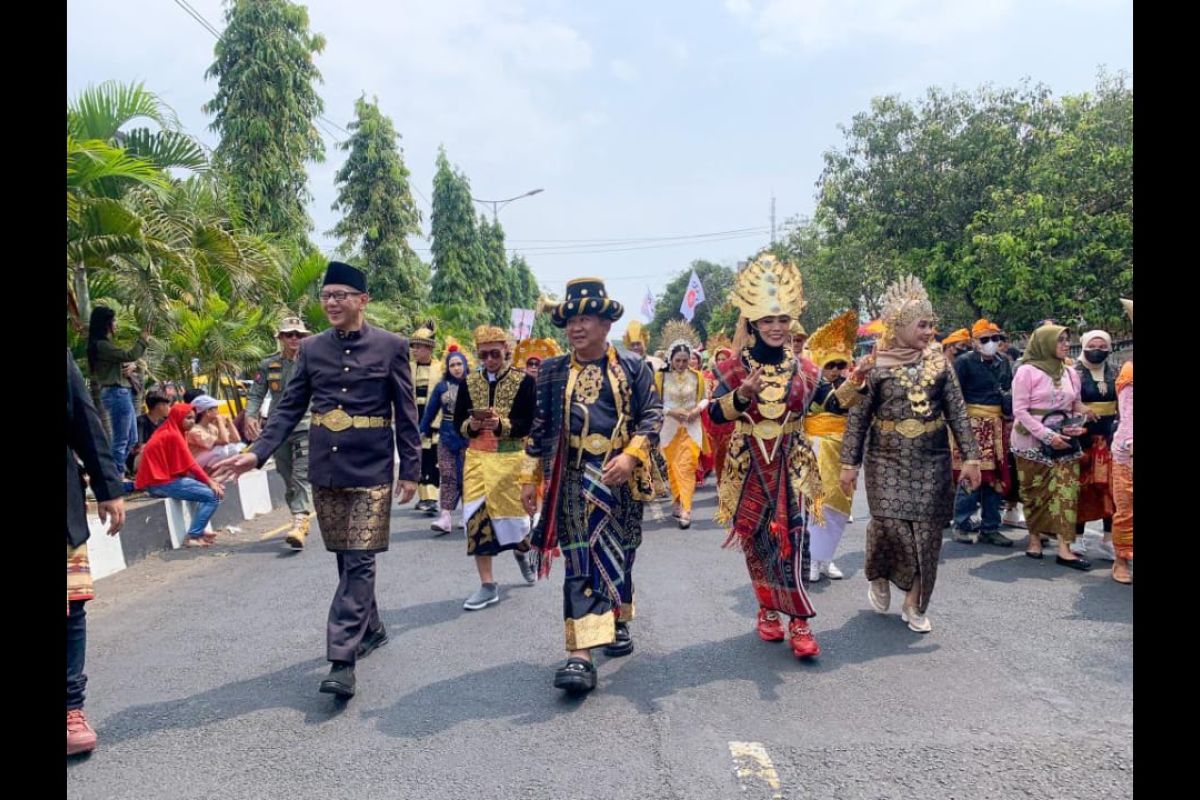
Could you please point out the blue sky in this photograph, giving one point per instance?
(640, 120)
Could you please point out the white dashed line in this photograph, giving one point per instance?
(754, 767)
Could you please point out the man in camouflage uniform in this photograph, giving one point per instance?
(291, 459)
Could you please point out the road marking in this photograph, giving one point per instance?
(753, 764)
(275, 532)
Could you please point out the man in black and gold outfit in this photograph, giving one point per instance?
(598, 419)
(493, 413)
(357, 379)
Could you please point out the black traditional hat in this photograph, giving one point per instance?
(585, 296)
(345, 275)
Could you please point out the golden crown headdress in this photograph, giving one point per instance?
(678, 332)
(636, 332)
(541, 349)
(768, 287)
(485, 334)
(904, 302)
(835, 339)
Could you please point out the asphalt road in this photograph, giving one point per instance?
(204, 667)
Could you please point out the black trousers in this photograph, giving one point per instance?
(76, 650)
(353, 611)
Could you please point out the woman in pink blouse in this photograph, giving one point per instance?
(1049, 483)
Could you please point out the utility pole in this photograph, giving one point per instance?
(772, 219)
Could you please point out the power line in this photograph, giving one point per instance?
(636, 239)
(208, 26)
(563, 251)
(196, 15)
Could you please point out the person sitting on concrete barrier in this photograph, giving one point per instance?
(169, 470)
(157, 407)
(213, 437)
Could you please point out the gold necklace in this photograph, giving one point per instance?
(916, 381)
(776, 380)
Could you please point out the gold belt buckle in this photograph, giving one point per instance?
(337, 420)
(910, 428)
(597, 444)
(767, 429)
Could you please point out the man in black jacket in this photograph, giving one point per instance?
(86, 443)
(357, 379)
(986, 380)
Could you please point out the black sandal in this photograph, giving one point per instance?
(577, 676)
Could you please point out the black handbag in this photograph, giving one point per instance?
(1056, 421)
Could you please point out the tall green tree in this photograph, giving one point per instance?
(500, 282)
(526, 294)
(1007, 202)
(378, 212)
(713, 315)
(265, 112)
(459, 264)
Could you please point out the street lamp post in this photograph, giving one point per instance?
(498, 204)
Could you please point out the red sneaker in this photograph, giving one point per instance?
(804, 644)
(81, 738)
(770, 629)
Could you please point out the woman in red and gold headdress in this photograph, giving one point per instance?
(770, 476)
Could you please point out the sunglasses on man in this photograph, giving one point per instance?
(490, 354)
(836, 365)
(986, 339)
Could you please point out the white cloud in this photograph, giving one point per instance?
(623, 69)
(818, 25)
(739, 8)
(678, 50)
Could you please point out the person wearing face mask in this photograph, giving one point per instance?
(1098, 390)
(772, 480)
(986, 381)
(1045, 389)
(899, 431)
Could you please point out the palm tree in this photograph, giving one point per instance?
(104, 162)
(227, 338)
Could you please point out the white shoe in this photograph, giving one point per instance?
(850, 520)
(879, 594)
(917, 622)
(1106, 550)
(1079, 546)
(442, 523)
(814, 571)
(831, 569)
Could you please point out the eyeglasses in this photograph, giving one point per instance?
(836, 365)
(339, 296)
(489, 354)
(986, 339)
(292, 335)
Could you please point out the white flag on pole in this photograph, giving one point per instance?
(522, 323)
(693, 297)
(648, 306)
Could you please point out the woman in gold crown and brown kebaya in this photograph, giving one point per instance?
(771, 478)
(910, 397)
